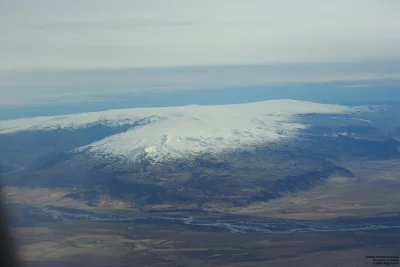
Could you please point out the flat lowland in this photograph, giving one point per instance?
(102, 244)
(373, 192)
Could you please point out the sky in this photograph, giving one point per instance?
(81, 50)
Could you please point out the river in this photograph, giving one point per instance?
(222, 223)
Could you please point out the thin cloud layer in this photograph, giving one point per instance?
(41, 87)
(107, 34)
(75, 50)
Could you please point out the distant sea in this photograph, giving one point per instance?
(346, 93)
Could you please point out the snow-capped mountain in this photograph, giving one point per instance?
(179, 131)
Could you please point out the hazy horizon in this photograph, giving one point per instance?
(75, 52)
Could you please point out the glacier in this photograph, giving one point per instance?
(186, 130)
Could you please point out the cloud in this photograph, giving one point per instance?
(82, 49)
(115, 34)
(111, 25)
(358, 85)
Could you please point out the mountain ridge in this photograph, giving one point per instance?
(186, 130)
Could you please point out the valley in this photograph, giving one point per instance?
(157, 242)
(304, 184)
